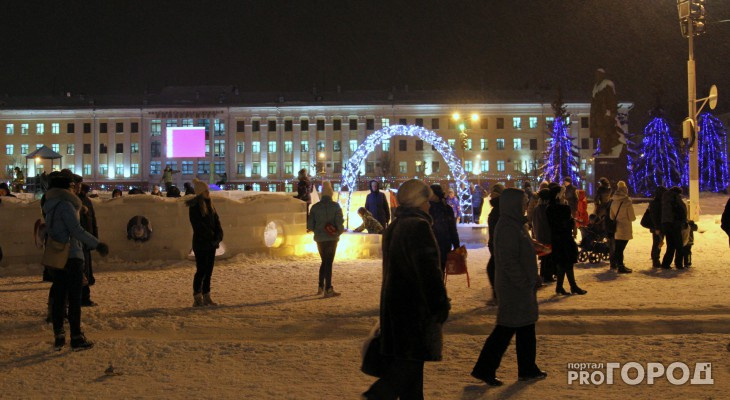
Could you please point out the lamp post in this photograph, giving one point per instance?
(321, 158)
(477, 162)
(692, 23)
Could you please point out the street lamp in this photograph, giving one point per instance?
(463, 142)
(692, 23)
(478, 164)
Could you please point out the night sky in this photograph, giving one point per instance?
(106, 47)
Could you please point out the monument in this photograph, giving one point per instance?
(610, 159)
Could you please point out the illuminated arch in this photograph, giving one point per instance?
(349, 177)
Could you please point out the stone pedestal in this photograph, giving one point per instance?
(613, 168)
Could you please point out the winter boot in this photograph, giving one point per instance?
(331, 293)
(207, 301)
(655, 263)
(80, 342)
(622, 269)
(60, 341)
(198, 300)
(320, 291)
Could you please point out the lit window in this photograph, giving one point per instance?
(272, 146)
(103, 169)
(239, 147)
(484, 167)
(203, 167)
(55, 128)
(468, 167)
(272, 187)
(517, 166)
(320, 145)
(452, 142)
(23, 149)
(549, 121)
(272, 168)
(256, 147)
(419, 166)
(403, 167)
(9, 149)
(468, 144)
(256, 187)
(119, 170)
(9, 129)
(305, 146)
(156, 127)
(533, 122)
(155, 167)
(56, 147)
(517, 144)
(219, 147)
(484, 144)
(40, 129)
(87, 169)
(500, 165)
(288, 168)
(256, 168)
(385, 122)
(239, 168)
(288, 146)
(220, 167)
(500, 144)
(187, 167)
(517, 123)
(353, 146)
(386, 145)
(336, 146)
(134, 169)
(23, 129)
(70, 149)
(187, 122)
(134, 147)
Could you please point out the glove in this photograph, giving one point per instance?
(103, 249)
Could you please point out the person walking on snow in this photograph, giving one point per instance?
(377, 204)
(207, 236)
(326, 221)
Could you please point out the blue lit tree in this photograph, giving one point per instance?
(633, 150)
(659, 163)
(561, 155)
(712, 146)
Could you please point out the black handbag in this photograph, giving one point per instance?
(373, 362)
(646, 219)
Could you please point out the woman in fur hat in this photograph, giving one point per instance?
(207, 236)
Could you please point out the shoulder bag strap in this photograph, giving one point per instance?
(618, 209)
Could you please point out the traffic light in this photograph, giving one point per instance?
(691, 11)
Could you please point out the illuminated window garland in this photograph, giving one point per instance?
(355, 165)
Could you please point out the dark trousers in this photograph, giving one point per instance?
(618, 252)
(403, 379)
(327, 254)
(656, 249)
(490, 270)
(565, 269)
(496, 345)
(204, 260)
(477, 214)
(547, 269)
(675, 246)
(67, 284)
(89, 272)
(611, 247)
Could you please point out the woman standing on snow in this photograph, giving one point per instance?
(326, 221)
(622, 211)
(565, 251)
(207, 236)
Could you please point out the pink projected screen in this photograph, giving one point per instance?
(185, 142)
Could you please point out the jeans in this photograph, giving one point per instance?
(327, 251)
(656, 248)
(618, 252)
(403, 379)
(496, 345)
(565, 269)
(490, 270)
(204, 260)
(67, 283)
(675, 245)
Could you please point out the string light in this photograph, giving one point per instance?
(712, 144)
(659, 163)
(561, 155)
(350, 174)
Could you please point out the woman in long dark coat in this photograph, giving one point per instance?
(413, 302)
(565, 250)
(444, 224)
(207, 236)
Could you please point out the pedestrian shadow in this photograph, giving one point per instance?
(16, 283)
(587, 265)
(23, 290)
(473, 392)
(31, 359)
(607, 276)
(665, 273)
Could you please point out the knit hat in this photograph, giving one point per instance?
(497, 189)
(327, 189)
(413, 193)
(199, 186)
(621, 188)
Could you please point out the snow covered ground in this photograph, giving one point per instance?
(272, 338)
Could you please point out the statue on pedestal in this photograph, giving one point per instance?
(604, 125)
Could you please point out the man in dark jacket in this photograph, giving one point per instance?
(477, 202)
(444, 224)
(602, 198)
(541, 233)
(304, 188)
(655, 215)
(413, 301)
(674, 219)
(492, 220)
(88, 222)
(377, 204)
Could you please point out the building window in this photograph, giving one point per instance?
(240, 126)
(353, 124)
(549, 122)
(24, 129)
(533, 144)
(255, 125)
(435, 123)
(419, 166)
(384, 122)
(40, 129)
(256, 187)
(370, 167)
(584, 122)
(156, 127)
(468, 144)
(451, 142)
(102, 148)
(337, 124)
(103, 127)
(484, 166)
(353, 146)
(288, 168)
(187, 122)
(304, 165)
(583, 164)
(272, 168)
(402, 121)
(256, 147)
(403, 167)
(288, 125)
(256, 168)
(500, 144)
(203, 167)
(272, 146)
(500, 123)
(483, 144)
(155, 149)
(87, 148)
(155, 167)
(370, 124)
(239, 168)
(134, 127)
(585, 144)
(320, 145)
(87, 169)
(517, 144)
(468, 166)
(402, 145)
(219, 127)
(320, 125)
(134, 148)
(9, 149)
(419, 145)
(533, 122)
(187, 167)
(56, 147)
(516, 165)
(305, 146)
(220, 167)
(119, 169)
(120, 126)
(239, 147)
(87, 127)
(500, 165)
(516, 123)
(120, 148)
(386, 145)
(219, 148)
(435, 166)
(9, 129)
(305, 124)
(103, 169)
(419, 122)
(336, 146)
(134, 169)
(289, 187)
(272, 125)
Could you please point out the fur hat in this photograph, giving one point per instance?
(438, 191)
(199, 186)
(327, 189)
(497, 190)
(413, 193)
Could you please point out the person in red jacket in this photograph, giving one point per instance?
(581, 215)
